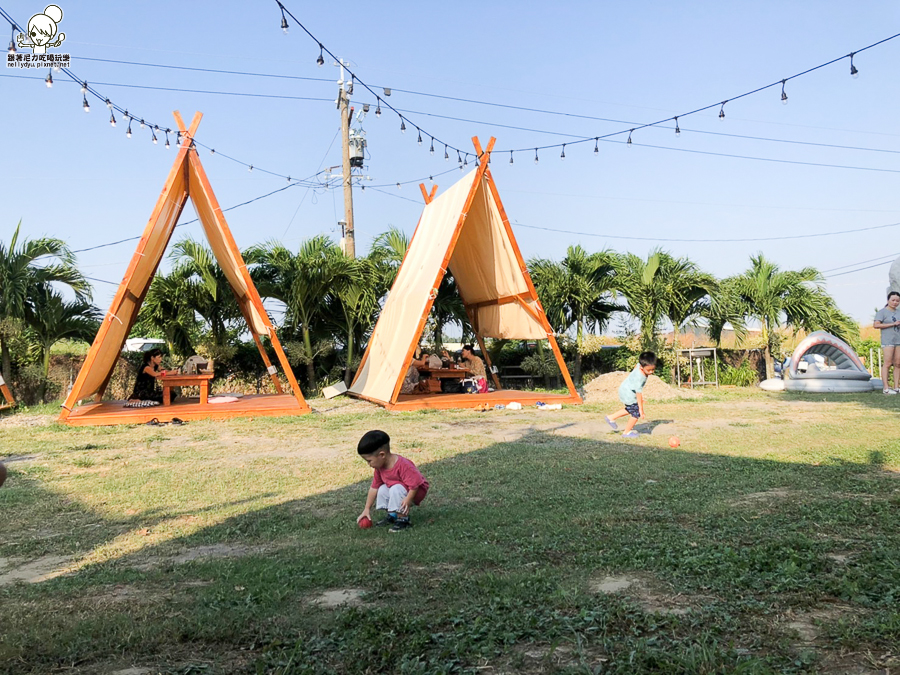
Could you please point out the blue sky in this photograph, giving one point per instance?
(69, 174)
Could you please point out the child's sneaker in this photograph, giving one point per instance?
(615, 427)
(400, 525)
(890, 391)
(630, 434)
(387, 520)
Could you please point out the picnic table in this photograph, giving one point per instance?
(170, 380)
(433, 377)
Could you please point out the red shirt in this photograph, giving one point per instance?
(406, 474)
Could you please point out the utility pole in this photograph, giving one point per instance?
(344, 107)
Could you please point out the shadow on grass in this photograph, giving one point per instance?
(497, 572)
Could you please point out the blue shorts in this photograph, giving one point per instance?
(634, 410)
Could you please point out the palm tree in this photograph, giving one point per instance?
(387, 253)
(447, 308)
(578, 291)
(785, 298)
(353, 302)
(167, 310)
(52, 319)
(24, 272)
(302, 281)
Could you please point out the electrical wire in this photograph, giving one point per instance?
(861, 269)
(892, 257)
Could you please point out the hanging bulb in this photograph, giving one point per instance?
(562, 155)
(142, 124)
(784, 96)
(677, 128)
(250, 169)
(212, 151)
(112, 118)
(84, 87)
(378, 109)
(128, 133)
(446, 156)
(155, 141)
(398, 186)
(284, 24)
(288, 179)
(466, 160)
(49, 80)
(535, 156)
(596, 146)
(722, 111)
(387, 91)
(86, 105)
(402, 125)
(628, 142)
(854, 72)
(431, 149)
(458, 158)
(167, 140)
(177, 138)
(109, 104)
(510, 157)
(321, 60)
(12, 42)
(419, 140)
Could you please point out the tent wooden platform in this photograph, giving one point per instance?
(114, 412)
(499, 397)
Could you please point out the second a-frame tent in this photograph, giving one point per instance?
(466, 231)
(187, 179)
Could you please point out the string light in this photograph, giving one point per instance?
(250, 169)
(86, 105)
(142, 124)
(466, 160)
(446, 155)
(854, 71)
(12, 42)
(378, 108)
(399, 186)
(784, 95)
(419, 140)
(212, 151)
(288, 179)
(84, 87)
(49, 80)
(154, 139)
(458, 158)
(321, 60)
(535, 156)
(178, 138)
(722, 110)
(431, 149)
(596, 146)
(167, 139)
(112, 118)
(677, 128)
(510, 157)
(402, 125)
(562, 155)
(628, 142)
(109, 104)
(128, 132)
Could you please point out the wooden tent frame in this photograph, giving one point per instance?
(7, 395)
(187, 166)
(417, 402)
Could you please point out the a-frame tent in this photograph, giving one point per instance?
(187, 179)
(466, 231)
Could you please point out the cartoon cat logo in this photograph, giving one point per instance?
(42, 29)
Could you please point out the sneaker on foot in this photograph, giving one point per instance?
(387, 520)
(886, 391)
(630, 434)
(615, 427)
(401, 525)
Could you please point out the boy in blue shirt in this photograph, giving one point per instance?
(631, 396)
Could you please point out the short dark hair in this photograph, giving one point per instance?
(647, 359)
(373, 441)
(470, 348)
(892, 294)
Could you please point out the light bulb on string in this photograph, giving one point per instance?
(284, 23)
(288, 179)
(458, 158)
(628, 142)
(466, 160)
(128, 132)
(431, 149)
(722, 110)
(84, 87)
(49, 80)
(168, 145)
(378, 109)
(562, 155)
(535, 156)
(402, 125)
(596, 146)
(108, 104)
(419, 140)
(446, 154)
(784, 96)
(12, 42)
(250, 169)
(510, 157)
(112, 118)
(142, 124)
(321, 60)
(153, 138)
(177, 138)
(212, 151)
(854, 71)
(398, 186)
(85, 104)
(677, 128)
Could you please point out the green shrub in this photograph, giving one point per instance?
(744, 375)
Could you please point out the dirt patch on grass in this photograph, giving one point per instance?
(651, 594)
(764, 497)
(342, 597)
(606, 387)
(14, 421)
(210, 552)
(32, 571)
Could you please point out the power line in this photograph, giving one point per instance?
(861, 269)
(892, 256)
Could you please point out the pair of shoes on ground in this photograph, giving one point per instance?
(397, 524)
(156, 423)
(890, 391)
(615, 427)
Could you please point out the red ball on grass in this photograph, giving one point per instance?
(674, 442)
(365, 523)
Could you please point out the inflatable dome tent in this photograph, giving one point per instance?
(822, 363)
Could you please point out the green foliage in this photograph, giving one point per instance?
(743, 375)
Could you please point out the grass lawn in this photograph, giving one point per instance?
(769, 541)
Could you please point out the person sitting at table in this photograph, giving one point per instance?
(476, 367)
(411, 381)
(145, 386)
(447, 361)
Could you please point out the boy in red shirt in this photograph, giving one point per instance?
(396, 485)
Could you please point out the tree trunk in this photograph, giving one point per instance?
(540, 351)
(45, 371)
(349, 370)
(310, 366)
(6, 361)
(770, 357)
(579, 330)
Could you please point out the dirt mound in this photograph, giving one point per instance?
(605, 387)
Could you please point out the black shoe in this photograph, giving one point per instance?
(387, 520)
(401, 525)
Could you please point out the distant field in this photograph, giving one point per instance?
(769, 541)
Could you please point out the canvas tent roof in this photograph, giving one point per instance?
(187, 178)
(465, 231)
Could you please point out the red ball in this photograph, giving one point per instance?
(365, 523)
(674, 442)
